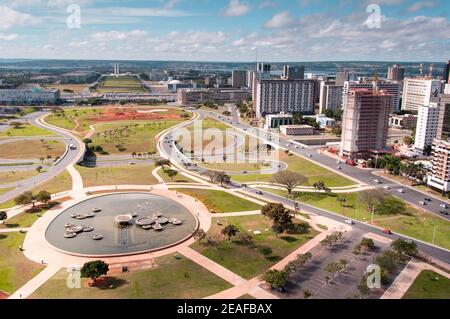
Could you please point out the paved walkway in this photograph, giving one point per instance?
(406, 278)
(13, 230)
(355, 189)
(77, 182)
(31, 286)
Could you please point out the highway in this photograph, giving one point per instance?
(364, 176)
(72, 157)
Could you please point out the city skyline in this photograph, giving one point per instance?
(232, 30)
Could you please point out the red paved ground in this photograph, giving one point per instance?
(3, 295)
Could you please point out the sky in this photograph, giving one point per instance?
(226, 30)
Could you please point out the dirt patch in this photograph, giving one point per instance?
(3, 295)
(112, 114)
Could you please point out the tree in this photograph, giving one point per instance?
(3, 216)
(230, 231)
(332, 239)
(371, 199)
(43, 197)
(245, 238)
(199, 235)
(289, 180)
(162, 162)
(94, 269)
(333, 268)
(25, 199)
(220, 178)
(39, 169)
(87, 141)
(408, 140)
(277, 213)
(390, 206)
(363, 288)
(298, 263)
(278, 229)
(275, 278)
(404, 247)
(171, 173)
(387, 260)
(16, 125)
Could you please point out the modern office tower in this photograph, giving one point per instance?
(396, 73)
(427, 126)
(263, 68)
(250, 75)
(197, 96)
(238, 79)
(447, 72)
(293, 72)
(418, 92)
(288, 96)
(440, 172)
(393, 88)
(443, 131)
(365, 123)
(330, 96)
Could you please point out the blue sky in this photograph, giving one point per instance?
(227, 30)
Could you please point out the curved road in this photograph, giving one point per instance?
(72, 157)
(169, 150)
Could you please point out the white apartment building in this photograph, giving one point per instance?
(418, 92)
(330, 96)
(427, 126)
(284, 96)
(440, 172)
(393, 88)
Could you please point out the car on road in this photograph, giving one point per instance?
(349, 221)
(259, 193)
(401, 190)
(387, 187)
(387, 231)
(132, 163)
(377, 181)
(244, 172)
(310, 155)
(444, 206)
(72, 147)
(423, 203)
(339, 168)
(443, 212)
(427, 199)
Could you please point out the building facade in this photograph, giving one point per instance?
(365, 123)
(296, 130)
(419, 92)
(443, 131)
(32, 96)
(284, 96)
(330, 96)
(238, 79)
(439, 178)
(293, 72)
(427, 126)
(276, 120)
(406, 121)
(396, 73)
(199, 96)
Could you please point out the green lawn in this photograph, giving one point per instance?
(414, 223)
(123, 84)
(302, 166)
(179, 178)
(170, 278)
(15, 269)
(23, 220)
(429, 285)
(32, 149)
(15, 176)
(247, 260)
(68, 120)
(220, 202)
(117, 175)
(26, 130)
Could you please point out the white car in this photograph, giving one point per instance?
(387, 188)
(422, 203)
(349, 221)
(444, 206)
(377, 181)
(401, 190)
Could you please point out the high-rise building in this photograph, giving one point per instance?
(419, 92)
(365, 123)
(288, 96)
(263, 68)
(447, 72)
(250, 79)
(396, 73)
(393, 88)
(239, 79)
(427, 126)
(330, 96)
(440, 172)
(443, 131)
(293, 72)
(343, 76)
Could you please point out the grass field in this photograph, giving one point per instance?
(170, 278)
(429, 285)
(32, 149)
(73, 119)
(68, 88)
(299, 165)
(122, 84)
(119, 175)
(177, 179)
(220, 202)
(247, 260)
(5, 190)
(15, 268)
(15, 176)
(23, 220)
(414, 223)
(26, 130)
(59, 183)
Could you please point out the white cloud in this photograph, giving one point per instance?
(8, 37)
(119, 36)
(280, 20)
(10, 18)
(236, 9)
(417, 6)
